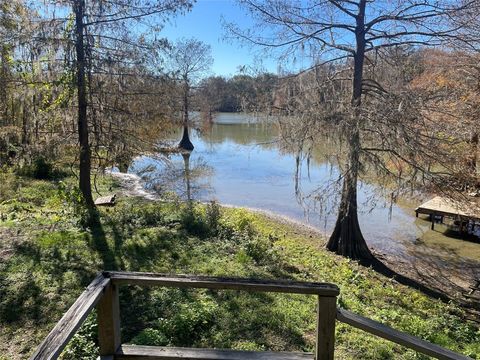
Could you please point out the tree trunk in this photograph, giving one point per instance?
(185, 143)
(3, 84)
(347, 238)
(474, 160)
(85, 153)
(25, 137)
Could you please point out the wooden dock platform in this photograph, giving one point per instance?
(462, 211)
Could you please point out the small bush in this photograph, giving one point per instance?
(194, 222)
(146, 215)
(83, 345)
(74, 199)
(41, 169)
(152, 337)
(9, 184)
(213, 216)
(260, 249)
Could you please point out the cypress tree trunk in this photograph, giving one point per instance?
(85, 153)
(185, 142)
(347, 238)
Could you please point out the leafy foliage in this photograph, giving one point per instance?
(45, 268)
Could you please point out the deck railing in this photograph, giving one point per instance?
(103, 293)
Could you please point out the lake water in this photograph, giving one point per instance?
(239, 162)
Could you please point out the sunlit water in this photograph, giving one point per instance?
(239, 163)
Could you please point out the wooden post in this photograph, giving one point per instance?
(108, 313)
(326, 315)
(432, 216)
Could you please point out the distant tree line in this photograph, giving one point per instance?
(239, 93)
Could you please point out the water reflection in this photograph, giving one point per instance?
(240, 162)
(178, 173)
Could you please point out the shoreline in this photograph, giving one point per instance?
(132, 186)
(452, 282)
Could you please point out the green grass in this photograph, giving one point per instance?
(47, 257)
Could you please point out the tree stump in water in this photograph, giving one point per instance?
(185, 143)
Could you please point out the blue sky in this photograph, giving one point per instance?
(203, 22)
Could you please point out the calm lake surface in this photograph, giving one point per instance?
(239, 162)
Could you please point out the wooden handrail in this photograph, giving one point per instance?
(222, 283)
(326, 292)
(407, 340)
(103, 292)
(63, 331)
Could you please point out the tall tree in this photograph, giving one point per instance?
(14, 32)
(102, 33)
(355, 33)
(189, 60)
(82, 122)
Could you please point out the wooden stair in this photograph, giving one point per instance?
(128, 352)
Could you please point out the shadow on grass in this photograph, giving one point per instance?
(383, 269)
(432, 283)
(99, 241)
(21, 301)
(207, 318)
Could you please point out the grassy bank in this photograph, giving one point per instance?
(47, 256)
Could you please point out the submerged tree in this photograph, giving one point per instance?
(352, 37)
(189, 59)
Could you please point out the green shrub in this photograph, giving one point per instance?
(83, 345)
(9, 184)
(74, 199)
(213, 216)
(247, 345)
(144, 215)
(41, 169)
(257, 249)
(194, 222)
(152, 337)
(166, 316)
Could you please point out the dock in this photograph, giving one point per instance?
(440, 207)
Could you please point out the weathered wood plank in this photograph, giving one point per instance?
(58, 338)
(207, 282)
(166, 353)
(108, 318)
(326, 315)
(474, 296)
(108, 200)
(398, 337)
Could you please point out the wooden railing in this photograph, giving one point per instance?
(103, 293)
